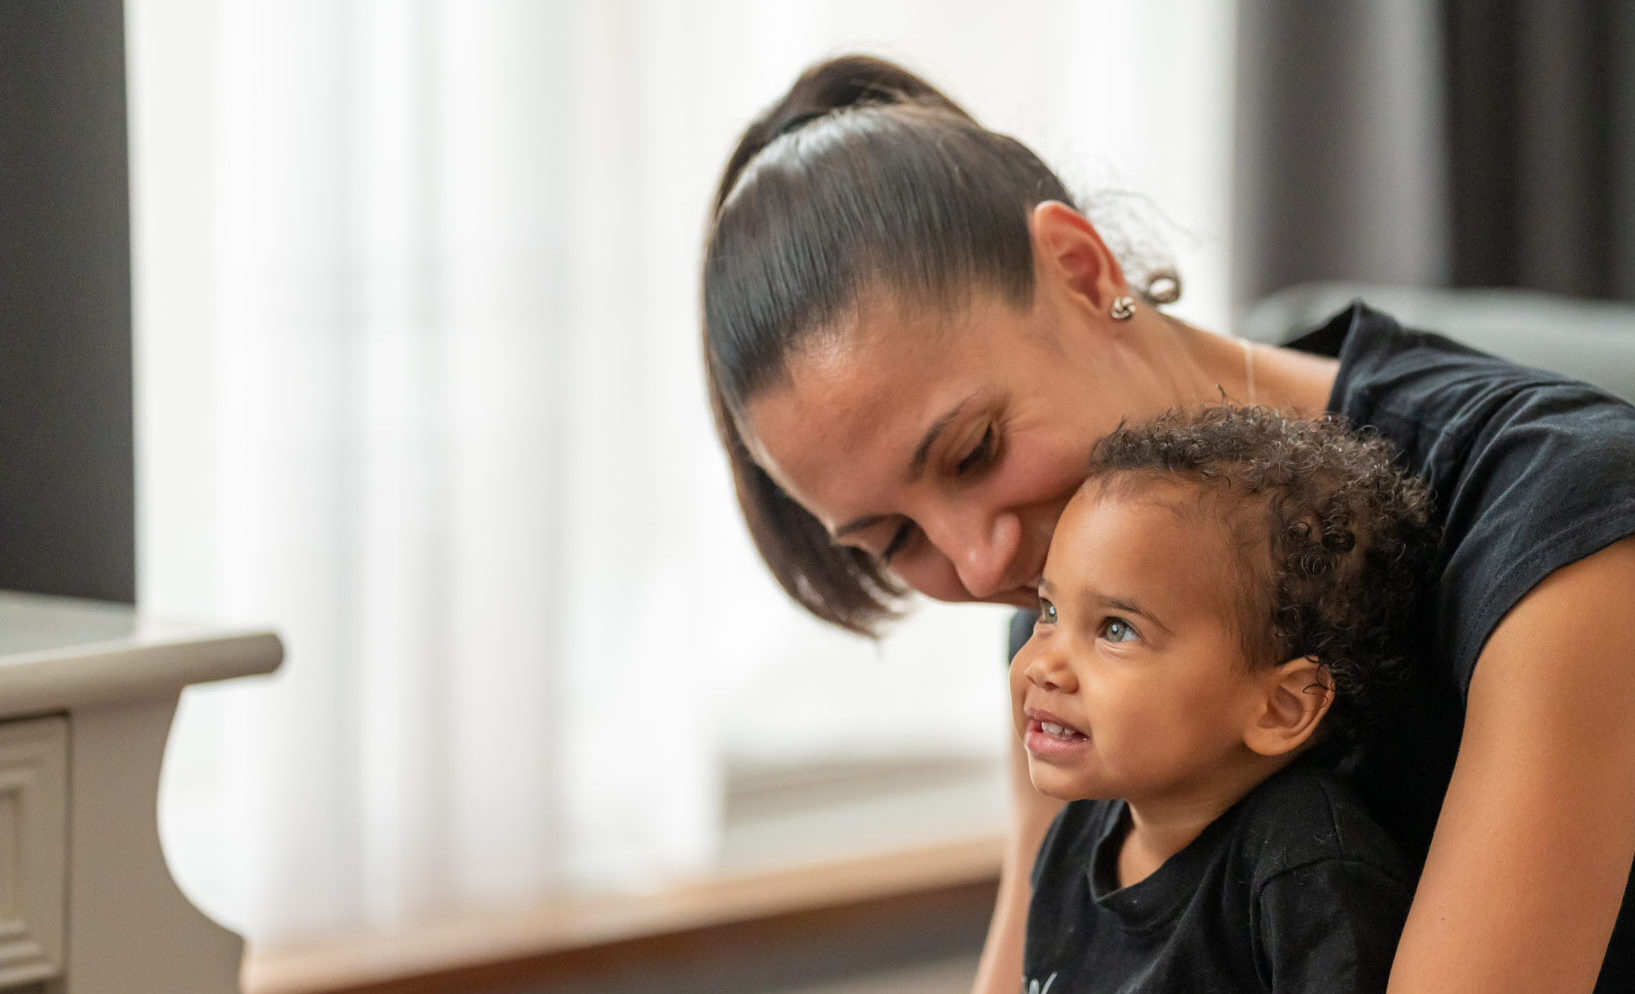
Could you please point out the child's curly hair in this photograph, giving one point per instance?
(1338, 559)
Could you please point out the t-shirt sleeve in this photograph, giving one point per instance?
(1548, 480)
(1529, 472)
(1329, 926)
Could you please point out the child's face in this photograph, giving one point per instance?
(1135, 684)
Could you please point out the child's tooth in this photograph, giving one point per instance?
(1051, 727)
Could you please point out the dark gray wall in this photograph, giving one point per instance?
(1542, 134)
(67, 483)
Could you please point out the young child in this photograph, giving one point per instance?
(1220, 610)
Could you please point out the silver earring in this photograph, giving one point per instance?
(1123, 308)
(1164, 287)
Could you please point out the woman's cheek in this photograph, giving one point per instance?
(1044, 475)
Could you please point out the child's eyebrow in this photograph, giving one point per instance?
(1127, 606)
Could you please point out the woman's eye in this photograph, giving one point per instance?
(1118, 630)
(899, 539)
(980, 455)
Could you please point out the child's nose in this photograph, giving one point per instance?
(1047, 669)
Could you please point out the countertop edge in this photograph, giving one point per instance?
(107, 672)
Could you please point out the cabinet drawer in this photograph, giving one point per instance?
(33, 847)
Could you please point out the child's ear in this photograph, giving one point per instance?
(1297, 695)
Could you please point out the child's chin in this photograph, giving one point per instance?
(1051, 786)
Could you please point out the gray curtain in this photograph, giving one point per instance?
(1467, 142)
(1542, 136)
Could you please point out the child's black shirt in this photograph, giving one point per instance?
(1293, 889)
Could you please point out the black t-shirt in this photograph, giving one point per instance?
(1294, 889)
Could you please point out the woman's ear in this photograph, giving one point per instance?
(1297, 696)
(1068, 246)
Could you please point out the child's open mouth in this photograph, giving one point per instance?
(1060, 731)
(1048, 735)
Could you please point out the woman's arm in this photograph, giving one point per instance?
(1536, 836)
(1000, 971)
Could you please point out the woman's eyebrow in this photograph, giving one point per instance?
(916, 466)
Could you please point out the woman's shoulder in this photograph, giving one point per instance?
(1529, 469)
(1589, 340)
(1392, 376)
(1456, 413)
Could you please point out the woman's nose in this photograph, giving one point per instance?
(983, 549)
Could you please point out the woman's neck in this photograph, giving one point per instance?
(1293, 382)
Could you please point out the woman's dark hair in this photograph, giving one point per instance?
(1337, 542)
(863, 178)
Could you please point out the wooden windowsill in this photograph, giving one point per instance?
(691, 922)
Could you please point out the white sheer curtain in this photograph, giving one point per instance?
(418, 385)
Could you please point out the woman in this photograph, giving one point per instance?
(913, 340)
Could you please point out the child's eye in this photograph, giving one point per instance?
(1118, 630)
(1047, 612)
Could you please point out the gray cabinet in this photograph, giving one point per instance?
(87, 694)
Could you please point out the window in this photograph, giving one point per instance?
(417, 384)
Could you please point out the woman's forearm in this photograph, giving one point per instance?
(1000, 971)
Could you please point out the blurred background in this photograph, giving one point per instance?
(403, 361)
(418, 383)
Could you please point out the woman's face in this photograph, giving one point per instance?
(948, 448)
